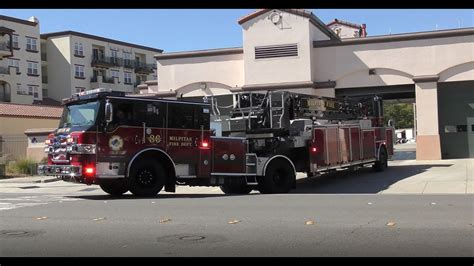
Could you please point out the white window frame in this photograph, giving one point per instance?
(79, 71)
(127, 57)
(12, 62)
(34, 91)
(32, 68)
(127, 77)
(78, 49)
(16, 44)
(20, 90)
(32, 43)
(115, 74)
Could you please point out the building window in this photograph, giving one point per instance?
(114, 56)
(15, 42)
(14, 63)
(127, 77)
(33, 90)
(115, 74)
(31, 44)
(79, 71)
(127, 59)
(32, 68)
(78, 90)
(20, 90)
(78, 49)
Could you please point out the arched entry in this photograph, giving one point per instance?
(5, 91)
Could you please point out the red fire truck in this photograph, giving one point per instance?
(141, 144)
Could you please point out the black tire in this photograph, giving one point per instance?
(382, 163)
(147, 178)
(235, 186)
(279, 178)
(114, 187)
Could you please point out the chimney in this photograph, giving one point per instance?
(364, 31)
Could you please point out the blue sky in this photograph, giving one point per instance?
(195, 29)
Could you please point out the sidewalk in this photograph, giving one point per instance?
(28, 179)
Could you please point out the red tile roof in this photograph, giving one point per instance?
(31, 111)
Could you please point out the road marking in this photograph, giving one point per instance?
(99, 219)
(234, 222)
(30, 201)
(42, 218)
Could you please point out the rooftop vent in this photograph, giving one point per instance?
(273, 51)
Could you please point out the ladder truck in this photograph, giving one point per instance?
(145, 144)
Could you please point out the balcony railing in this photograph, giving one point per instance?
(144, 68)
(104, 79)
(105, 61)
(108, 80)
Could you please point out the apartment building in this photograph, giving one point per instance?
(20, 60)
(75, 62)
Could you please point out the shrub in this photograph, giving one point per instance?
(23, 166)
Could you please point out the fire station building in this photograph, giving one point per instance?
(289, 49)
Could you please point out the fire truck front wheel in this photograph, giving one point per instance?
(279, 178)
(147, 178)
(114, 187)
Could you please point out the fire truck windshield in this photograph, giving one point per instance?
(79, 114)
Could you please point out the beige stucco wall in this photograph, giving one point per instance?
(23, 30)
(59, 67)
(396, 62)
(260, 31)
(17, 125)
(185, 75)
(61, 62)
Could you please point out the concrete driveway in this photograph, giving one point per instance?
(405, 175)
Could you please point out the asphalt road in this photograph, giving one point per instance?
(90, 223)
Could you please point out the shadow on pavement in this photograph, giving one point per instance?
(158, 197)
(364, 180)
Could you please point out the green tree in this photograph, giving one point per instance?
(401, 113)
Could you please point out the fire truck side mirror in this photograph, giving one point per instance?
(109, 112)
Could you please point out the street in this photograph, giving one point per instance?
(342, 214)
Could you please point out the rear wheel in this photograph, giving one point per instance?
(114, 187)
(235, 186)
(147, 178)
(279, 178)
(382, 163)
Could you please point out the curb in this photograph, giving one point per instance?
(47, 180)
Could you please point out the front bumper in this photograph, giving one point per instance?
(72, 173)
(60, 170)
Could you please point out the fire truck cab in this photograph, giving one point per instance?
(144, 144)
